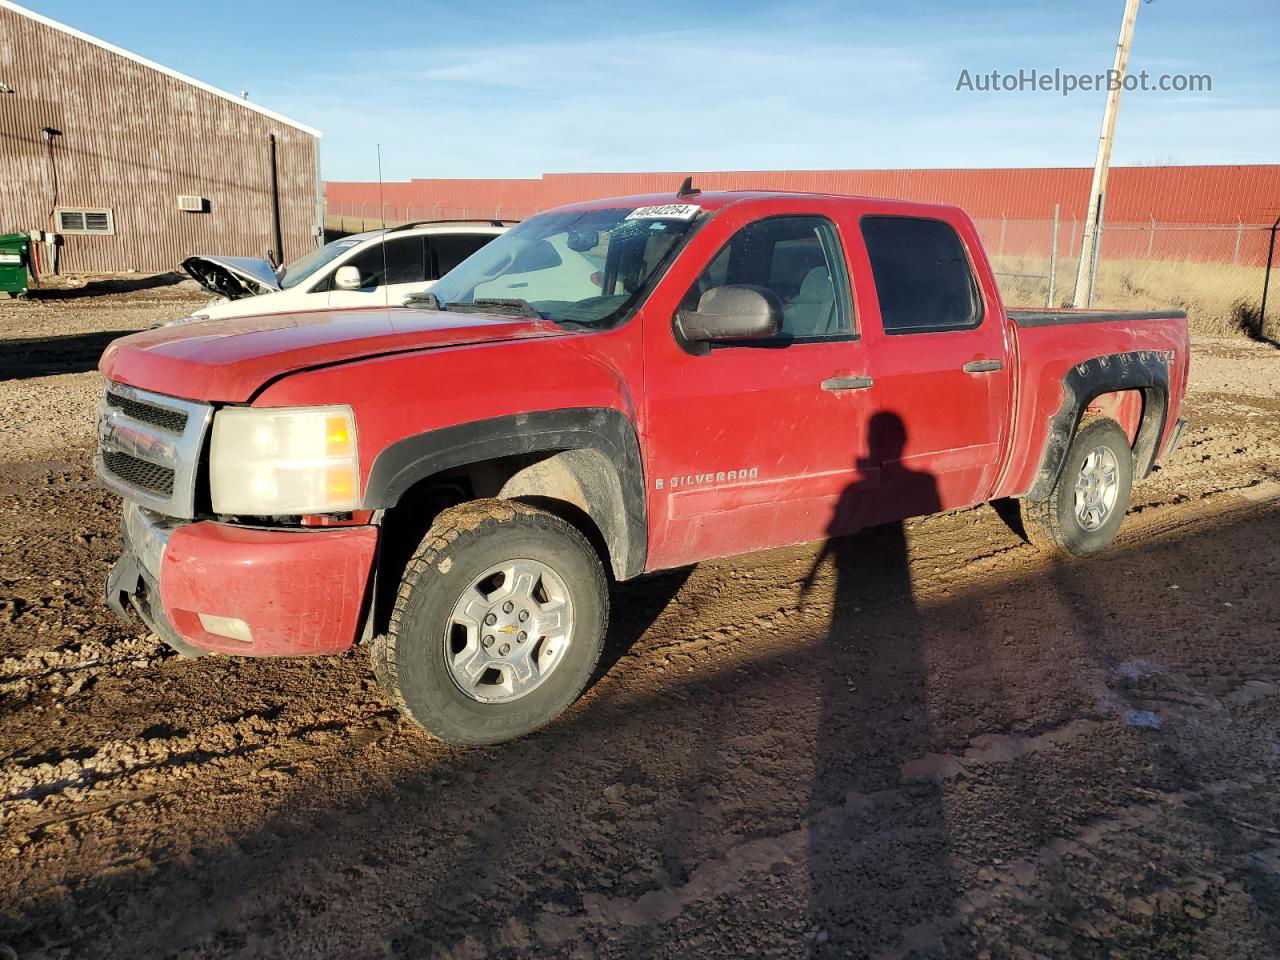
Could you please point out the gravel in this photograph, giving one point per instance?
(948, 745)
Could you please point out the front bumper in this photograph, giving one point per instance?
(213, 587)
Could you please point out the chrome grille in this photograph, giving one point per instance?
(175, 421)
(149, 448)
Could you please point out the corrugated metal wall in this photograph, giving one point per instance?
(133, 139)
(1185, 194)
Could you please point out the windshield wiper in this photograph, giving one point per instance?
(424, 299)
(508, 305)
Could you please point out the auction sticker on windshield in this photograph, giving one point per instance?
(665, 211)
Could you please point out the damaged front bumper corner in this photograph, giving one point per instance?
(133, 584)
(210, 587)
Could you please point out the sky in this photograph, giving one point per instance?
(508, 89)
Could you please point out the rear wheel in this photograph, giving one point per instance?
(1088, 503)
(498, 624)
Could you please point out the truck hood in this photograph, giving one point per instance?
(229, 360)
(232, 277)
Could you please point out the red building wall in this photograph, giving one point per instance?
(1136, 196)
(1206, 194)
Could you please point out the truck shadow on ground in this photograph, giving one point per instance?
(802, 784)
(28, 357)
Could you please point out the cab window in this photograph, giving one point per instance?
(799, 260)
(450, 249)
(922, 275)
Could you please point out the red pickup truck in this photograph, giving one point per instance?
(608, 389)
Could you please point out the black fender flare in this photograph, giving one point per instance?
(622, 516)
(1144, 370)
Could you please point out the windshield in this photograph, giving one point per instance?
(292, 274)
(574, 266)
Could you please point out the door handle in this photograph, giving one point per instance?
(982, 366)
(846, 383)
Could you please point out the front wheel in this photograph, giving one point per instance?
(1088, 503)
(498, 625)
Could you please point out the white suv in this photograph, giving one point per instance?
(381, 267)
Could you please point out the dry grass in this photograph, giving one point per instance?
(1220, 299)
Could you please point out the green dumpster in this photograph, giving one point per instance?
(15, 252)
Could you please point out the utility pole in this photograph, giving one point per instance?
(1092, 225)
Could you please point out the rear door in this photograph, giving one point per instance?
(447, 250)
(940, 359)
(756, 444)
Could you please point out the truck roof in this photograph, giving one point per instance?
(712, 200)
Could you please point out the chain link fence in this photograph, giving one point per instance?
(1214, 271)
(346, 218)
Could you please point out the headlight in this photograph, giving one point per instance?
(194, 318)
(284, 460)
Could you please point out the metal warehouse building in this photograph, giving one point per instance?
(134, 166)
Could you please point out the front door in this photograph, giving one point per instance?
(756, 444)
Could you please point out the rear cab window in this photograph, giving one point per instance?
(923, 278)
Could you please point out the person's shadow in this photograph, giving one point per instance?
(873, 857)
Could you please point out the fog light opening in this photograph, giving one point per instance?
(232, 628)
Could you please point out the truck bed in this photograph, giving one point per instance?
(1055, 316)
(1051, 342)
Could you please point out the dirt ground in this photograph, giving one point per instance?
(970, 751)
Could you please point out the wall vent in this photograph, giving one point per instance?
(71, 220)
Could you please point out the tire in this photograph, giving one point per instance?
(1055, 523)
(475, 562)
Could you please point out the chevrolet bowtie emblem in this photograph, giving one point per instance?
(507, 629)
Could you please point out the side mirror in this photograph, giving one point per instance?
(348, 278)
(733, 312)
